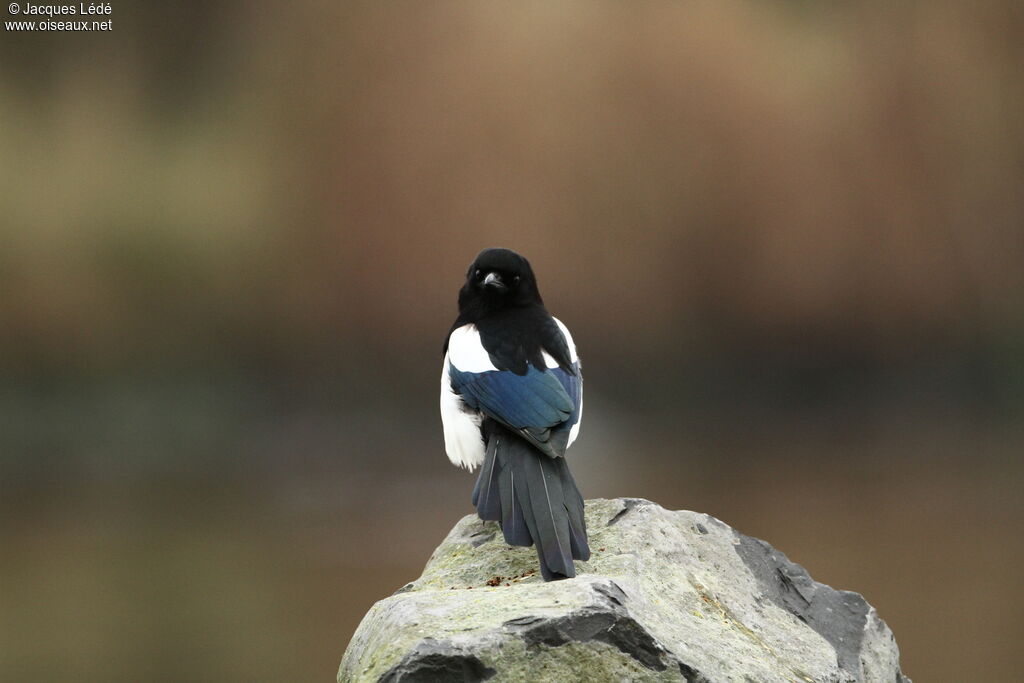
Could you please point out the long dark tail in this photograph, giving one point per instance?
(535, 499)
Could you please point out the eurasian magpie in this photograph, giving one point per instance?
(511, 401)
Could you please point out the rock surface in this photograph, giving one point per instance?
(666, 596)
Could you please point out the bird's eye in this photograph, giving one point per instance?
(515, 280)
(478, 273)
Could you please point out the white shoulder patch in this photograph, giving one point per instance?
(463, 441)
(575, 430)
(568, 340)
(467, 352)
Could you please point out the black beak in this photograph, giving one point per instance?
(493, 281)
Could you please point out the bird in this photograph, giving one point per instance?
(511, 404)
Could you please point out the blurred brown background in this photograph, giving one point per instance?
(789, 240)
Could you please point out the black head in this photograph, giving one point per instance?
(497, 280)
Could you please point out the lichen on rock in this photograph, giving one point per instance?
(666, 596)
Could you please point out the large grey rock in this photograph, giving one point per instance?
(666, 596)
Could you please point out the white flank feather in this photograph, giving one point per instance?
(463, 441)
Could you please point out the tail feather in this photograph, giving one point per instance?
(536, 501)
(486, 494)
(578, 542)
(549, 514)
(525, 499)
(574, 507)
(513, 521)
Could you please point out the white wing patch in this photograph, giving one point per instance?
(467, 352)
(568, 340)
(463, 441)
(575, 430)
